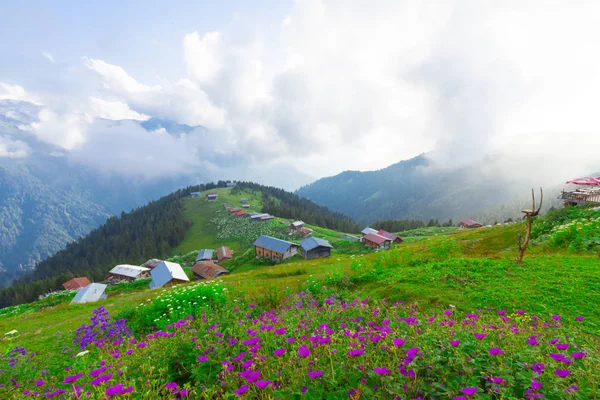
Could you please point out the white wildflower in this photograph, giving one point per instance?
(83, 353)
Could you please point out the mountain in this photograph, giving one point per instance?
(50, 196)
(415, 189)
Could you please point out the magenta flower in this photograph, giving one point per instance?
(479, 335)
(171, 385)
(382, 371)
(447, 312)
(563, 373)
(459, 398)
(497, 380)
(303, 351)
(355, 352)
(533, 342)
(501, 312)
(454, 343)
(556, 317)
(398, 342)
(279, 352)
(141, 345)
(242, 389)
(520, 312)
(579, 318)
(556, 356)
(70, 378)
(578, 354)
(262, 384)
(182, 392)
(562, 346)
(494, 351)
(202, 359)
(129, 352)
(538, 368)
(251, 342)
(315, 374)
(469, 391)
(41, 382)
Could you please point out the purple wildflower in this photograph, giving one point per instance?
(469, 391)
(563, 373)
(579, 354)
(454, 343)
(398, 342)
(315, 374)
(303, 351)
(494, 351)
(579, 318)
(382, 371)
(355, 352)
(262, 384)
(279, 352)
(562, 346)
(538, 368)
(242, 389)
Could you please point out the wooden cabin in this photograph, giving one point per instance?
(375, 241)
(315, 248)
(224, 253)
(296, 226)
(468, 223)
(212, 196)
(391, 236)
(274, 249)
(76, 283)
(129, 273)
(208, 270)
(167, 274)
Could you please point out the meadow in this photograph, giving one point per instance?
(403, 323)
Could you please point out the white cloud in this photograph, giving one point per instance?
(16, 92)
(114, 110)
(66, 130)
(48, 57)
(13, 148)
(350, 89)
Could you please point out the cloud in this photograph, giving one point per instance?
(13, 148)
(48, 57)
(16, 92)
(340, 88)
(113, 110)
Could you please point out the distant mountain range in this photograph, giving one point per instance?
(48, 197)
(415, 189)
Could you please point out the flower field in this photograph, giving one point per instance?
(314, 345)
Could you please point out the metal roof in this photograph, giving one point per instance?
(297, 223)
(165, 272)
(90, 293)
(469, 222)
(313, 242)
(76, 283)
(223, 252)
(132, 271)
(208, 270)
(387, 234)
(368, 230)
(375, 238)
(273, 244)
(205, 254)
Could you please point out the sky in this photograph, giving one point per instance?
(308, 86)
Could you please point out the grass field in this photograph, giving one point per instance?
(439, 267)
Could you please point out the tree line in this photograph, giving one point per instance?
(289, 205)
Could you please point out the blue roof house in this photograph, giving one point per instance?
(274, 249)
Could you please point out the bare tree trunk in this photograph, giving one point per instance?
(529, 214)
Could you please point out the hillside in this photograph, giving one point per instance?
(411, 189)
(333, 314)
(175, 224)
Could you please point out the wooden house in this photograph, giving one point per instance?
(167, 274)
(212, 196)
(129, 273)
(194, 194)
(315, 248)
(375, 241)
(234, 210)
(153, 262)
(274, 249)
(468, 223)
(391, 236)
(224, 253)
(76, 283)
(208, 270)
(296, 226)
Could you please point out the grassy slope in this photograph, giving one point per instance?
(466, 268)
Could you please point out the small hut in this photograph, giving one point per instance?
(89, 294)
(296, 226)
(76, 283)
(224, 253)
(205, 255)
(125, 272)
(315, 248)
(212, 196)
(274, 249)
(375, 241)
(468, 223)
(391, 236)
(167, 274)
(208, 270)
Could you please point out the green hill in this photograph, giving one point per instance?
(439, 286)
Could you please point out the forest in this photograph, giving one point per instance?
(289, 205)
(132, 238)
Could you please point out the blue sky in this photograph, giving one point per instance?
(318, 86)
(144, 37)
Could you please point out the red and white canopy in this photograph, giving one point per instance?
(586, 181)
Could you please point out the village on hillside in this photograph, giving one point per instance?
(209, 262)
